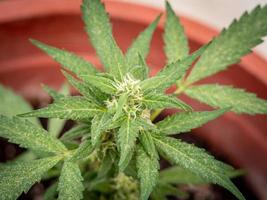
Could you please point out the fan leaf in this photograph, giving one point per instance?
(104, 84)
(233, 43)
(140, 45)
(99, 125)
(68, 60)
(221, 96)
(147, 170)
(19, 177)
(197, 161)
(99, 30)
(171, 73)
(176, 44)
(75, 108)
(70, 184)
(126, 139)
(140, 70)
(28, 135)
(156, 101)
(13, 104)
(185, 121)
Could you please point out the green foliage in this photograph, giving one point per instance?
(18, 178)
(140, 70)
(76, 132)
(176, 44)
(220, 96)
(83, 151)
(178, 175)
(233, 43)
(122, 101)
(12, 104)
(99, 125)
(51, 192)
(176, 70)
(52, 93)
(100, 33)
(140, 46)
(28, 135)
(55, 126)
(148, 144)
(154, 101)
(147, 172)
(162, 191)
(76, 108)
(91, 93)
(197, 161)
(68, 60)
(70, 185)
(127, 135)
(185, 121)
(102, 83)
(113, 151)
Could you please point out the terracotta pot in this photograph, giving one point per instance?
(242, 139)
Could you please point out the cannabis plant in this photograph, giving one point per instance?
(113, 150)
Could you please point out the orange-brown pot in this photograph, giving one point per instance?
(242, 139)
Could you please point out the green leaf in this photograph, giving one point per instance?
(162, 191)
(99, 30)
(53, 93)
(156, 101)
(24, 156)
(76, 132)
(232, 44)
(140, 45)
(13, 104)
(178, 175)
(147, 170)
(106, 165)
(121, 103)
(220, 96)
(70, 184)
(185, 121)
(55, 126)
(148, 144)
(68, 60)
(171, 73)
(91, 93)
(104, 84)
(28, 135)
(152, 83)
(99, 125)
(126, 139)
(84, 150)
(176, 44)
(197, 161)
(145, 124)
(117, 123)
(51, 192)
(76, 108)
(140, 71)
(18, 178)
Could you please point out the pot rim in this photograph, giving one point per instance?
(252, 63)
